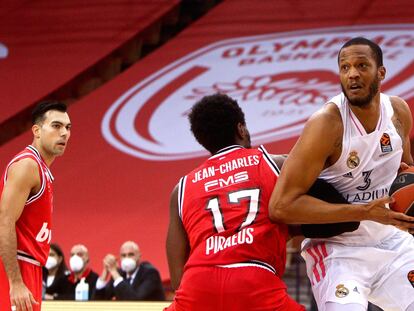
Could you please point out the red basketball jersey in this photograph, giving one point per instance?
(223, 205)
(33, 228)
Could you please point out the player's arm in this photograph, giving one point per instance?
(289, 202)
(22, 179)
(403, 122)
(294, 230)
(326, 192)
(177, 242)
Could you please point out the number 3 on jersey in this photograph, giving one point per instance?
(234, 197)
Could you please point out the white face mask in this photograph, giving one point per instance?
(51, 263)
(128, 264)
(76, 263)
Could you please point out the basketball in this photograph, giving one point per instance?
(402, 190)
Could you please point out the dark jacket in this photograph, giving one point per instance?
(60, 288)
(146, 286)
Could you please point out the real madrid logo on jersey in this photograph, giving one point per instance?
(353, 160)
(341, 291)
(385, 143)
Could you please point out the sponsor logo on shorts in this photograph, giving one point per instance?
(341, 291)
(410, 277)
(279, 79)
(385, 143)
(356, 290)
(353, 160)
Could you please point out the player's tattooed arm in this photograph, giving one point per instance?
(403, 123)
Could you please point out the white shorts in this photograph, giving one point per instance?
(383, 274)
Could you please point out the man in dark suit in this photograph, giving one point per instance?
(135, 280)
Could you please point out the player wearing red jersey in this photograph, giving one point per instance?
(223, 251)
(26, 208)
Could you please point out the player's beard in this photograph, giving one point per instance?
(364, 101)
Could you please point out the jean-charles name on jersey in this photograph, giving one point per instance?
(226, 167)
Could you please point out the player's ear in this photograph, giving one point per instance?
(381, 73)
(242, 130)
(36, 130)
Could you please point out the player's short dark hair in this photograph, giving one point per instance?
(375, 48)
(38, 113)
(214, 121)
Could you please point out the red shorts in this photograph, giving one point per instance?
(232, 289)
(32, 278)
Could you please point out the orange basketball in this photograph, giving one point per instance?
(402, 190)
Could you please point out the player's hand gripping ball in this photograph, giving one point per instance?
(402, 190)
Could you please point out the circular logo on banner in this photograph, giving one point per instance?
(278, 79)
(4, 51)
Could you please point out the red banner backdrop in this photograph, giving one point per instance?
(131, 141)
(45, 43)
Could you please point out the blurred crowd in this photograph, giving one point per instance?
(123, 277)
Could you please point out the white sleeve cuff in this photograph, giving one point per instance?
(118, 280)
(100, 284)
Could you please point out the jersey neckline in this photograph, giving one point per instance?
(226, 150)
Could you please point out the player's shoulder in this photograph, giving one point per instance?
(175, 189)
(25, 164)
(328, 111)
(257, 155)
(24, 170)
(399, 105)
(327, 118)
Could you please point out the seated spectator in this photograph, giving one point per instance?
(79, 266)
(135, 280)
(55, 272)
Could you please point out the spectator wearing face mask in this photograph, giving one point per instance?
(135, 280)
(79, 267)
(55, 272)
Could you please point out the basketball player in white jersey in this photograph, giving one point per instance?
(356, 142)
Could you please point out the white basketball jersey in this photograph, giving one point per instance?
(366, 168)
